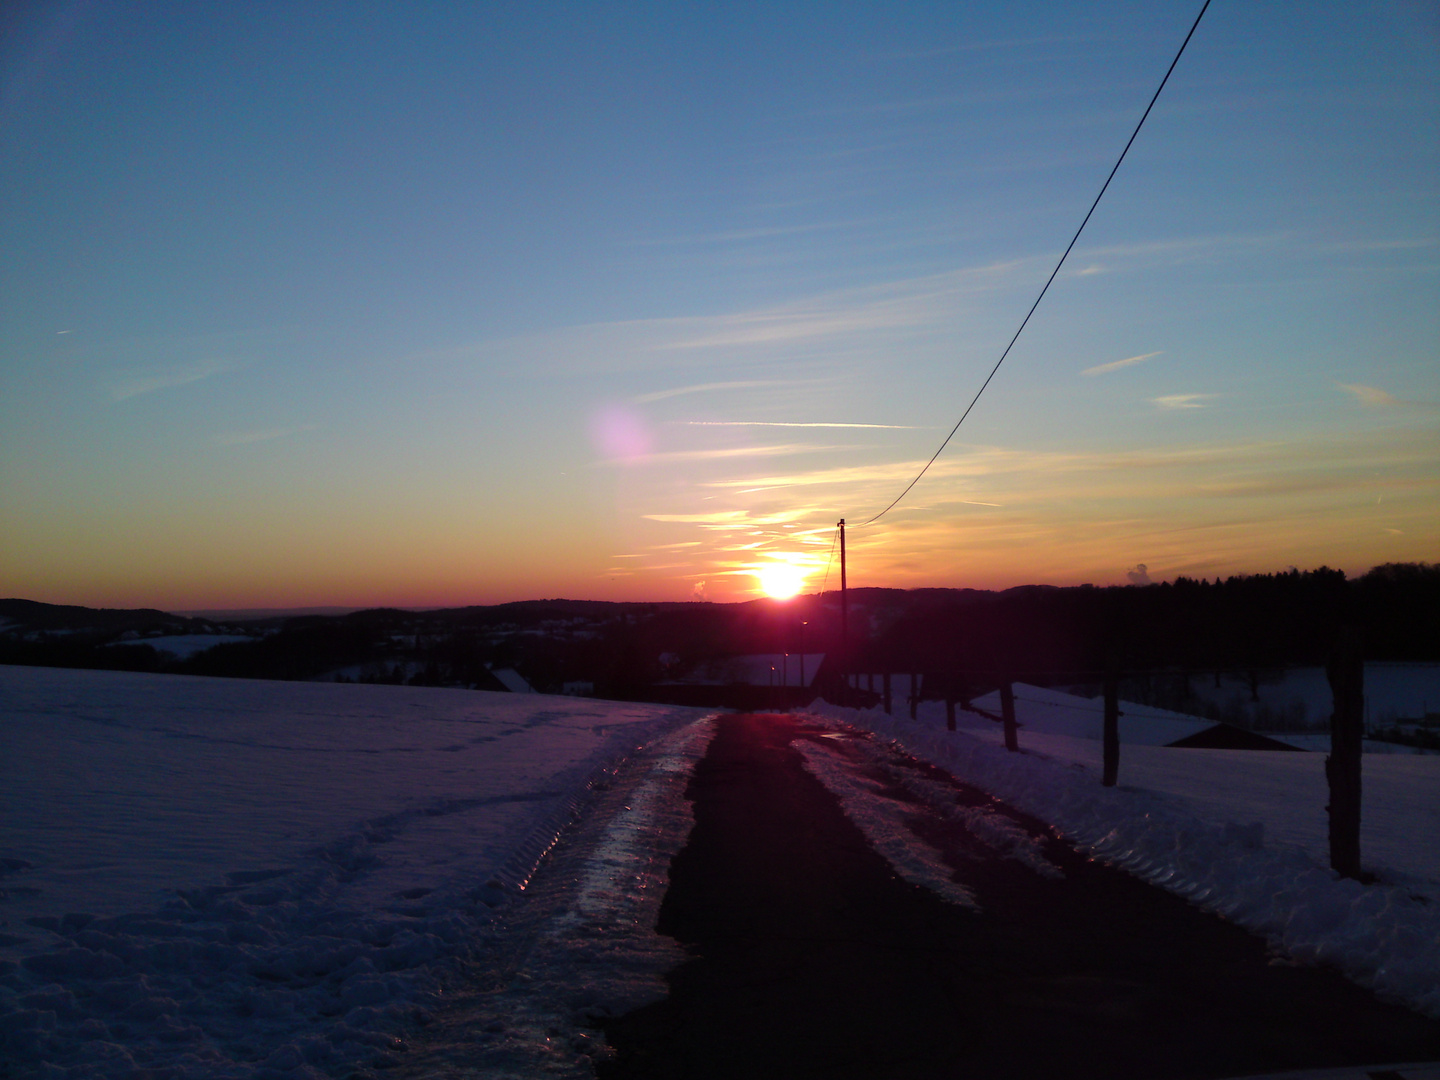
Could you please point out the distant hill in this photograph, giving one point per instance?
(251, 614)
(52, 618)
(1250, 624)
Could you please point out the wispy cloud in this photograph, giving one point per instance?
(147, 381)
(1369, 395)
(1116, 365)
(908, 56)
(1416, 243)
(667, 457)
(1182, 401)
(893, 305)
(245, 438)
(896, 308)
(763, 232)
(707, 388)
(1186, 248)
(790, 424)
(729, 519)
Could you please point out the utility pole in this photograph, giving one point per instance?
(844, 617)
(1110, 728)
(1346, 672)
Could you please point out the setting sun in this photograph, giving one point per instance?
(781, 581)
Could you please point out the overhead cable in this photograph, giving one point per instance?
(1051, 278)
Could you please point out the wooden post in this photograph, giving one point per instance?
(1110, 731)
(1007, 710)
(845, 621)
(914, 694)
(1346, 672)
(885, 685)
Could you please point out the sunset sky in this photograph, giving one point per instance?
(436, 304)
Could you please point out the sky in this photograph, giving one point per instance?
(427, 305)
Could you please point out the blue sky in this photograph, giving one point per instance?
(432, 304)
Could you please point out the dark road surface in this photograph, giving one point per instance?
(811, 958)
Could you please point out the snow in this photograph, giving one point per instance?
(1055, 712)
(512, 680)
(1040, 710)
(184, 646)
(882, 820)
(1242, 833)
(589, 949)
(1301, 697)
(234, 878)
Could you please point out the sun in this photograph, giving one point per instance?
(781, 581)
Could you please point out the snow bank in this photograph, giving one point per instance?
(1057, 713)
(233, 878)
(583, 947)
(1302, 695)
(1216, 853)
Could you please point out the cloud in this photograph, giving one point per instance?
(670, 456)
(1139, 575)
(135, 383)
(726, 518)
(1182, 401)
(1408, 244)
(1187, 248)
(779, 423)
(244, 438)
(1368, 395)
(903, 304)
(705, 388)
(1116, 365)
(895, 308)
(757, 233)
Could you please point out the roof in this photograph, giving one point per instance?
(512, 680)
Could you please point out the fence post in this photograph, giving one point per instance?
(1110, 732)
(885, 690)
(1007, 711)
(1346, 672)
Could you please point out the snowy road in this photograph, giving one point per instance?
(952, 937)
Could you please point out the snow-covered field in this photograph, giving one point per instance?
(1041, 710)
(184, 646)
(1301, 697)
(1240, 832)
(222, 878)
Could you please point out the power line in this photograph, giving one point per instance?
(1051, 278)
